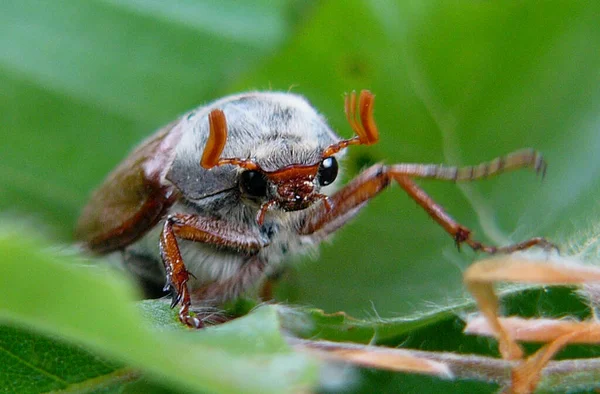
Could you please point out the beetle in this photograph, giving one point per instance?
(221, 195)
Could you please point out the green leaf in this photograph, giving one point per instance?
(315, 324)
(61, 296)
(29, 364)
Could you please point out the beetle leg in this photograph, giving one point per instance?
(347, 201)
(266, 290)
(199, 229)
(459, 232)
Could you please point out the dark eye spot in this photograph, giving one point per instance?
(328, 171)
(254, 183)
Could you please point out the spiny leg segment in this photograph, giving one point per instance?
(376, 178)
(199, 229)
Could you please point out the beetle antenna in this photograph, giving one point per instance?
(361, 119)
(211, 157)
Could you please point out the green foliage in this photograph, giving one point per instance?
(95, 309)
(456, 82)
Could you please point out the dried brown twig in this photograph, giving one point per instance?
(558, 375)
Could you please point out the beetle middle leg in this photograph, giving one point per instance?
(459, 232)
(199, 229)
(347, 201)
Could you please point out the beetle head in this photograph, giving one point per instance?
(295, 186)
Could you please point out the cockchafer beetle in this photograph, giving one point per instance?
(221, 195)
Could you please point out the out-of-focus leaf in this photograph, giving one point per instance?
(82, 82)
(86, 305)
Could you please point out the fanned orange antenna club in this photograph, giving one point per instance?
(360, 117)
(370, 134)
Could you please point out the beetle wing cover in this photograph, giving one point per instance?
(133, 197)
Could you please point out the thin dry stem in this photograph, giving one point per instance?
(557, 375)
(537, 330)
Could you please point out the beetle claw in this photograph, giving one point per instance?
(175, 299)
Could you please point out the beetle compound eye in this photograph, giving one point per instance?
(328, 171)
(254, 183)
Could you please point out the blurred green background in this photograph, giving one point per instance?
(457, 82)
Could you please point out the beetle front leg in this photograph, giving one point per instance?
(195, 228)
(177, 275)
(460, 233)
(347, 201)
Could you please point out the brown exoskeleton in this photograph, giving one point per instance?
(233, 187)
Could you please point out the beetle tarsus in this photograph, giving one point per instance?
(175, 298)
(188, 319)
(540, 242)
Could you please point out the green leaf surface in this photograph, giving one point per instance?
(29, 364)
(92, 307)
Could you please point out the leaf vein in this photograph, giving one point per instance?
(35, 367)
